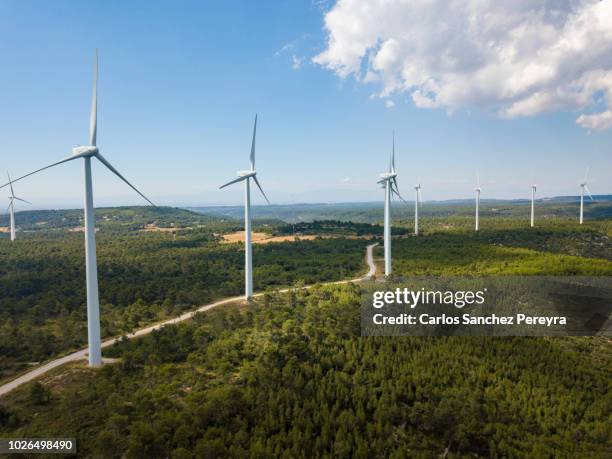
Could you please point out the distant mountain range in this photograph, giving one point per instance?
(372, 210)
(137, 217)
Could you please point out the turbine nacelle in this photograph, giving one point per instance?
(387, 176)
(246, 174)
(85, 151)
(250, 173)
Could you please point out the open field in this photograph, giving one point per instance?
(264, 238)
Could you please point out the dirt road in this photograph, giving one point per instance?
(82, 354)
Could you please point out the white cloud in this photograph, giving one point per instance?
(597, 122)
(296, 62)
(283, 49)
(514, 59)
(293, 47)
(389, 103)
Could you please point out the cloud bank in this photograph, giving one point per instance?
(512, 58)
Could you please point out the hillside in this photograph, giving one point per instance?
(291, 375)
(372, 212)
(112, 219)
(144, 277)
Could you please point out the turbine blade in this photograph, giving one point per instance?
(586, 173)
(392, 159)
(22, 200)
(394, 183)
(10, 183)
(589, 192)
(395, 189)
(41, 169)
(253, 144)
(93, 117)
(116, 172)
(261, 189)
(239, 179)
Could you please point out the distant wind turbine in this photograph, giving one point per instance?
(389, 181)
(246, 176)
(11, 207)
(533, 192)
(477, 189)
(417, 203)
(91, 270)
(583, 188)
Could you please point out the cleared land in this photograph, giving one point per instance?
(264, 238)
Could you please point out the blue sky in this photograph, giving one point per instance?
(180, 83)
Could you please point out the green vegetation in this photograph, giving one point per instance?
(541, 251)
(290, 376)
(336, 228)
(144, 277)
(112, 218)
(372, 212)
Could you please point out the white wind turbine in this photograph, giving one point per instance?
(86, 152)
(11, 207)
(583, 188)
(389, 181)
(246, 176)
(417, 202)
(477, 190)
(533, 192)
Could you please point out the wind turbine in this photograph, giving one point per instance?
(389, 181)
(87, 152)
(417, 202)
(11, 207)
(583, 187)
(246, 176)
(477, 190)
(533, 192)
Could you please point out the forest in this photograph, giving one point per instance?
(144, 277)
(290, 376)
(551, 249)
(336, 228)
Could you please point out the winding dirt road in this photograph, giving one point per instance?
(82, 354)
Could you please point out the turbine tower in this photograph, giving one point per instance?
(246, 176)
(417, 202)
(583, 187)
(389, 181)
(11, 207)
(533, 192)
(477, 189)
(87, 152)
